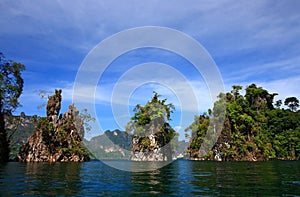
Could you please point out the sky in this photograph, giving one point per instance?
(249, 41)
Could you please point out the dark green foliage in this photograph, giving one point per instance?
(11, 86)
(198, 128)
(47, 129)
(152, 119)
(292, 103)
(253, 129)
(259, 98)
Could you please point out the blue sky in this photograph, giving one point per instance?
(250, 42)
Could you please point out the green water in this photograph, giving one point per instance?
(180, 178)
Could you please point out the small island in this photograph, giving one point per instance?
(57, 138)
(254, 128)
(152, 134)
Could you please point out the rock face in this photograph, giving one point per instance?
(53, 106)
(224, 143)
(56, 139)
(150, 148)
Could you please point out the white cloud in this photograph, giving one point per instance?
(284, 87)
(252, 41)
(231, 24)
(186, 93)
(280, 69)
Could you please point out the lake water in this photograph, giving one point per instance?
(180, 178)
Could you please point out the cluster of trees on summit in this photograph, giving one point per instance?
(254, 125)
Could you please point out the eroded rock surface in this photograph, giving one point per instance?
(150, 148)
(57, 138)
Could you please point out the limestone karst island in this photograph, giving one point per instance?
(254, 127)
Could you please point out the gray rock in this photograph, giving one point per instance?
(56, 139)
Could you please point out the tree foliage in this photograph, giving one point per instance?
(292, 103)
(11, 87)
(198, 131)
(152, 120)
(253, 129)
(11, 84)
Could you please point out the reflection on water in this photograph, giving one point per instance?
(40, 178)
(274, 178)
(136, 166)
(53, 178)
(152, 182)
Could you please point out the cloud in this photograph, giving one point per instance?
(264, 71)
(136, 87)
(251, 42)
(225, 28)
(91, 22)
(32, 103)
(287, 87)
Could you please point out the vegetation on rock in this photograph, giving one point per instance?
(253, 128)
(56, 137)
(152, 134)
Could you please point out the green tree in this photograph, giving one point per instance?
(259, 98)
(253, 129)
(153, 119)
(292, 103)
(278, 103)
(236, 91)
(198, 131)
(11, 86)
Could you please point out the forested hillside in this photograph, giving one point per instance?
(256, 127)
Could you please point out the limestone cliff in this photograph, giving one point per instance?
(151, 148)
(57, 138)
(224, 144)
(153, 137)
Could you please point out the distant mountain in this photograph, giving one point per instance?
(19, 129)
(117, 144)
(110, 145)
